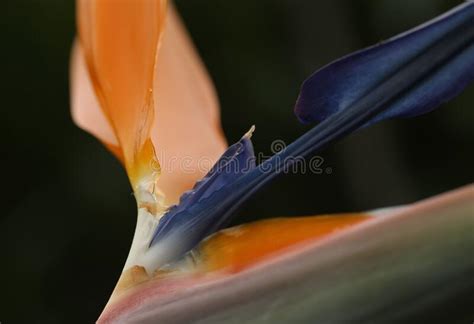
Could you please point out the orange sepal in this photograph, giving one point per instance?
(240, 247)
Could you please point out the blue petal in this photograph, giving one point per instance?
(406, 76)
(236, 161)
(448, 40)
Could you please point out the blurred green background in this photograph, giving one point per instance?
(68, 214)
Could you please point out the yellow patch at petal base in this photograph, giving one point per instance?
(132, 277)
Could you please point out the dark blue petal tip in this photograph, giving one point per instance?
(435, 59)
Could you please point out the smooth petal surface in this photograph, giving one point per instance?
(186, 128)
(186, 132)
(85, 107)
(391, 269)
(435, 57)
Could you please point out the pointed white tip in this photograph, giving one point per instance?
(250, 132)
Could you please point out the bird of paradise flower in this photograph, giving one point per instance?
(139, 86)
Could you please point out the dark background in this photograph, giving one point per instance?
(68, 214)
